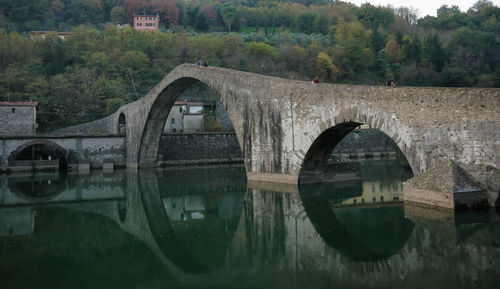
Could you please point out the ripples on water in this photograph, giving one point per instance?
(205, 227)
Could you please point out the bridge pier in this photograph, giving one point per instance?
(273, 178)
(447, 185)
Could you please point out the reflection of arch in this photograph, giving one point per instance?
(38, 188)
(122, 124)
(373, 245)
(159, 224)
(157, 116)
(122, 210)
(315, 159)
(51, 147)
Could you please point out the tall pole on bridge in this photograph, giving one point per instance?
(133, 84)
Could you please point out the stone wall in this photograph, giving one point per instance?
(365, 141)
(92, 150)
(222, 116)
(192, 148)
(100, 127)
(186, 148)
(17, 120)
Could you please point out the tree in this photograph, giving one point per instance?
(262, 49)
(355, 42)
(305, 22)
(32, 25)
(453, 77)
(321, 25)
(229, 15)
(433, 52)
(377, 40)
(113, 104)
(480, 4)
(414, 48)
(393, 51)
(444, 10)
(371, 16)
(209, 11)
(409, 14)
(50, 25)
(190, 16)
(325, 68)
(201, 22)
(117, 15)
(52, 52)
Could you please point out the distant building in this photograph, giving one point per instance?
(187, 116)
(146, 22)
(18, 118)
(43, 34)
(121, 26)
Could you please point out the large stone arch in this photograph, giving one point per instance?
(148, 150)
(144, 132)
(330, 132)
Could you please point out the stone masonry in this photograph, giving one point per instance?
(286, 129)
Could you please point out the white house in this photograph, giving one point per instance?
(187, 116)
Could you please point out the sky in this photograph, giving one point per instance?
(425, 7)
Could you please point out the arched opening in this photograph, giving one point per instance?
(351, 185)
(340, 147)
(188, 124)
(41, 155)
(122, 124)
(316, 158)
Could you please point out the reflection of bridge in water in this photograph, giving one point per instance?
(294, 238)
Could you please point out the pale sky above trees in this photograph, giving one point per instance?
(425, 7)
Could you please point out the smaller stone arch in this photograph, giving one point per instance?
(51, 147)
(316, 157)
(333, 131)
(122, 124)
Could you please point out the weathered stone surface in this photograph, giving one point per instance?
(106, 150)
(76, 149)
(290, 127)
(195, 147)
(17, 120)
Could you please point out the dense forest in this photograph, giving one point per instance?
(93, 71)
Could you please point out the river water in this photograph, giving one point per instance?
(206, 227)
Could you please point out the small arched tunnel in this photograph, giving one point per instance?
(122, 124)
(41, 150)
(315, 161)
(170, 116)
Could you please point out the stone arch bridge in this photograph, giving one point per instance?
(286, 128)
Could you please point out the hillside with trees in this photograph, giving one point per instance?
(91, 72)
